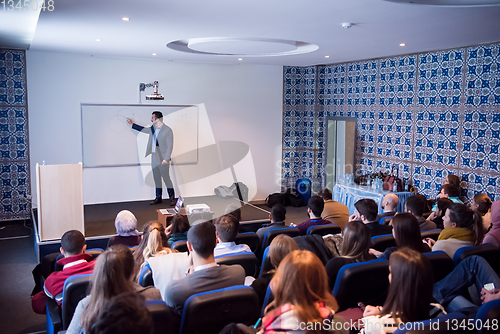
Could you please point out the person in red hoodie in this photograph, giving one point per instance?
(75, 262)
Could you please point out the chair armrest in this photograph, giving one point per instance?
(54, 319)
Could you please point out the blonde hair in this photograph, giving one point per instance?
(280, 247)
(301, 280)
(112, 276)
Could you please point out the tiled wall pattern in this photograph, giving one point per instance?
(431, 114)
(14, 155)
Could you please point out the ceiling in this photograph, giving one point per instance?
(276, 31)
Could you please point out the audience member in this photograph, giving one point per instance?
(277, 217)
(315, 207)
(333, 211)
(366, 212)
(113, 275)
(75, 262)
(450, 192)
(482, 204)
(389, 204)
(472, 271)
(462, 227)
(124, 314)
(300, 299)
(126, 227)
(357, 239)
(154, 242)
(417, 205)
(493, 235)
(406, 232)
(207, 274)
(280, 247)
(442, 204)
(452, 180)
(227, 228)
(409, 295)
(178, 229)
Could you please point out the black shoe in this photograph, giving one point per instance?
(156, 201)
(173, 201)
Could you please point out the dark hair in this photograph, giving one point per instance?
(72, 242)
(202, 238)
(278, 213)
(410, 290)
(158, 114)
(450, 190)
(368, 208)
(316, 204)
(417, 204)
(227, 228)
(463, 216)
(357, 240)
(180, 224)
(325, 194)
(233, 210)
(443, 204)
(126, 257)
(407, 232)
(124, 314)
(483, 202)
(454, 181)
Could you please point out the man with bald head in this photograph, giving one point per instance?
(389, 205)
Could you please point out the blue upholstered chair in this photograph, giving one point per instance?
(324, 229)
(146, 276)
(441, 324)
(432, 234)
(489, 314)
(247, 260)
(271, 234)
(384, 220)
(209, 312)
(382, 242)
(249, 238)
(180, 246)
(163, 320)
(266, 263)
(489, 252)
(441, 264)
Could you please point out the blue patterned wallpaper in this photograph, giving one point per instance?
(432, 114)
(14, 155)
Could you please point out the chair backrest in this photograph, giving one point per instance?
(382, 242)
(146, 276)
(324, 229)
(489, 252)
(441, 264)
(248, 238)
(266, 263)
(95, 252)
(488, 315)
(268, 298)
(209, 312)
(365, 282)
(75, 289)
(181, 246)
(432, 234)
(271, 234)
(247, 260)
(383, 220)
(441, 324)
(163, 320)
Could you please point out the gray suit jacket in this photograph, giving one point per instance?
(165, 142)
(222, 276)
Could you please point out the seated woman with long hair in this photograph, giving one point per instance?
(355, 248)
(302, 301)
(177, 231)
(409, 295)
(462, 227)
(113, 275)
(406, 232)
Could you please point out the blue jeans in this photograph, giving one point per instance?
(472, 270)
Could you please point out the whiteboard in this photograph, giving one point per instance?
(109, 141)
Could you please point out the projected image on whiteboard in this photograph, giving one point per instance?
(109, 141)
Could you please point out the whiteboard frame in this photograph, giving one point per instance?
(138, 105)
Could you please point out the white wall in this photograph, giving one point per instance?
(243, 103)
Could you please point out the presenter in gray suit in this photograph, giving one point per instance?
(160, 144)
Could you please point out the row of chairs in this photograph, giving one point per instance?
(382, 242)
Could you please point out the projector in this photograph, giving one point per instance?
(197, 208)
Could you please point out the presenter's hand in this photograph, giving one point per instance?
(129, 121)
(164, 162)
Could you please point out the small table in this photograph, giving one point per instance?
(166, 219)
(350, 194)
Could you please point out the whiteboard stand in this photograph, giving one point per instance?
(60, 200)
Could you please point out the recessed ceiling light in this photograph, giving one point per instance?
(125, 19)
(327, 56)
(154, 54)
(97, 40)
(240, 59)
(402, 44)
